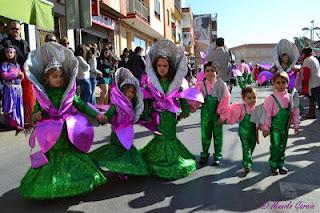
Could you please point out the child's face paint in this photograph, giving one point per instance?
(162, 67)
(250, 99)
(210, 73)
(280, 84)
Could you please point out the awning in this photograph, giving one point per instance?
(36, 12)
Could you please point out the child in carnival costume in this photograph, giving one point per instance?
(282, 110)
(60, 168)
(217, 100)
(166, 68)
(12, 101)
(285, 56)
(120, 155)
(241, 113)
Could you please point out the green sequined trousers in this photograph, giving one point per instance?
(278, 136)
(165, 155)
(69, 172)
(248, 137)
(241, 81)
(210, 126)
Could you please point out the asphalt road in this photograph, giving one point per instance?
(222, 189)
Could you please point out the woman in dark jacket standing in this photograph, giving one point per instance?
(136, 63)
(106, 66)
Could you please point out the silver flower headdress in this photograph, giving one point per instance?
(177, 58)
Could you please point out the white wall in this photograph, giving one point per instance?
(114, 4)
(155, 23)
(179, 31)
(32, 37)
(70, 35)
(187, 20)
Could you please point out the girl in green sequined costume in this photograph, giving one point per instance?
(68, 171)
(165, 155)
(241, 112)
(114, 156)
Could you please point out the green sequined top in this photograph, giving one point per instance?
(146, 115)
(56, 94)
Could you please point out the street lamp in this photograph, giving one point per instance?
(312, 29)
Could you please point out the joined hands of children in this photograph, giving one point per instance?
(37, 116)
(181, 117)
(265, 133)
(101, 118)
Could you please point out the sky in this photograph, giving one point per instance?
(259, 21)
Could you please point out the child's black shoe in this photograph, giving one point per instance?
(274, 172)
(216, 163)
(283, 170)
(246, 170)
(203, 161)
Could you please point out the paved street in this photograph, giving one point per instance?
(208, 189)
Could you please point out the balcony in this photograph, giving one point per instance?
(138, 18)
(135, 6)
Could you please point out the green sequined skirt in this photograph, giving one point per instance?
(69, 172)
(168, 158)
(116, 158)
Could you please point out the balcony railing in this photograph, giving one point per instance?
(135, 6)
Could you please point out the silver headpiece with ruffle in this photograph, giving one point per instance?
(177, 59)
(124, 76)
(285, 46)
(50, 55)
(54, 63)
(127, 81)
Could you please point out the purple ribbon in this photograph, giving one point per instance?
(47, 131)
(122, 122)
(167, 102)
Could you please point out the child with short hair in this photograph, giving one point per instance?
(280, 113)
(241, 113)
(217, 100)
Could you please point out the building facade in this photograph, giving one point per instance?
(143, 24)
(254, 53)
(187, 30)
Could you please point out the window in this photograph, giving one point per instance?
(157, 8)
(168, 16)
(139, 42)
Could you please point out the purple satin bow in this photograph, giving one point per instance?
(47, 131)
(167, 102)
(122, 122)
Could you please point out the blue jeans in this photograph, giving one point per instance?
(93, 89)
(85, 90)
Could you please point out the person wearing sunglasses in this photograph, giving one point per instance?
(64, 42)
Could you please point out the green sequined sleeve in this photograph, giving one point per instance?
(36, 108)
(82, 107)
(185, 107)
(111, 112)
(146, 114)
